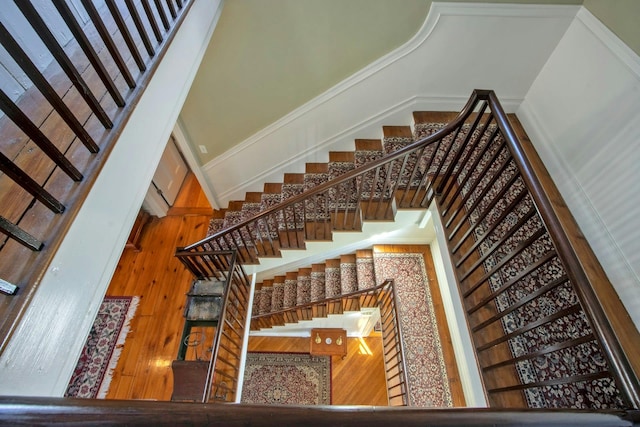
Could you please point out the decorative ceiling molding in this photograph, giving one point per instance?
(424, 73)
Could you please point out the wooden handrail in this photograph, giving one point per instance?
(616, 335)
(600, 322)
(347, 176)
(629, 381)
(398, 333)
(386, 288)
(33, 267)
(223, 266)
(89, 412)
(323, 301)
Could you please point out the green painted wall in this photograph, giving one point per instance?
(266, 58)
(622, 17)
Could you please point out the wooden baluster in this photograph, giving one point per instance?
(61, 57)
(137, 21)
(163, 15)
(19, 118)
(172, 9)
(30, 69)
(126, 35)
(109, 43)
(88, 50)
(26, 182)
(152, 20)
(18, 234)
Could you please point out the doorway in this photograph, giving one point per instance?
(167, 180)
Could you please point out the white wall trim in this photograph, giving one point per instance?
(184, 143)
(367, 98)
(617, 47)
(466, 358)
(43, 351)
(605, 93)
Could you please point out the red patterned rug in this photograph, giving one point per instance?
(426, 371)
(287, 379)
(100, 354)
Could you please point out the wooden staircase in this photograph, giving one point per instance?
(358, 200)
(307, 287)
(487, 183)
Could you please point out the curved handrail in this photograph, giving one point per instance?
(577, 259)
(388, 286)
(292, 201)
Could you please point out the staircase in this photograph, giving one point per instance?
(343, 208)
(307, 289)
(346, 285)
(523, 270)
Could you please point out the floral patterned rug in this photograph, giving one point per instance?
(287, 379)
(101, 352)
(427, 373)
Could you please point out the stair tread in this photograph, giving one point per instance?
(341, 156)
(368, 144)
(397, 131)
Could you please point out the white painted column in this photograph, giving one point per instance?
(42, 354)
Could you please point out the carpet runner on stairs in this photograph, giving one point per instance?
(337, 276)
(428, 379)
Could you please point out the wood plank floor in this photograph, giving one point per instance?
(357, 379)
(153, 273)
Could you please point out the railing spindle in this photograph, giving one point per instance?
(61, 57)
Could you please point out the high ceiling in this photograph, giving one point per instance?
(267, 58)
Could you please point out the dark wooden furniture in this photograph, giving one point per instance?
(328, 342)
(189, 379)
(203, 308)
(133, 241)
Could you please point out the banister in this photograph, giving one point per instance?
(387, 286)
(517, 173)
(325, 300)
(218, 335)
(28, 271)
(462, 116)
(599, 321)
(399, 334)
(89, 412)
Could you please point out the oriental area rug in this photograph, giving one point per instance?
(426, 370)
(287, 379)
(101, 352)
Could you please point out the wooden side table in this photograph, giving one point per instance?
(328, 342)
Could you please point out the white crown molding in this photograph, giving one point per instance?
(609, 75)
(435, 13)
(612, 42)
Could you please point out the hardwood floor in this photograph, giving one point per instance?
(357, 379)
(153, 273)
(455, 384)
